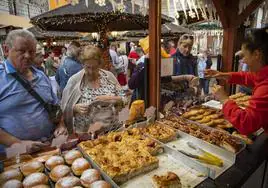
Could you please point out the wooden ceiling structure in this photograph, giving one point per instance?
(228, 11)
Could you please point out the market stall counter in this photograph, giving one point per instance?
(247, 162)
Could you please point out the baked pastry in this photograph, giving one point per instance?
(210, 123)
(205, 120)
(171, 180)
(10, 174)
(100, 184)
(12, 184)
(35, 179)
(68, 182)
(89, 176)
(54, 161)
(194, 118)
(59, 171)
(242, 137)
(70, 156)
(190, 113)
(31, 167)
(41, 186)
(79, 166)
(219, 121)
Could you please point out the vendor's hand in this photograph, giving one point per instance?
(194, 82)
(95, 128)
(32, 146)
(81, 108)
(219, 93)
(60, 130)
(209, 73)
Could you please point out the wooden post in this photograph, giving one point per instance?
(154, 53)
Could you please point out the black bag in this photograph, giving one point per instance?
(54, 111)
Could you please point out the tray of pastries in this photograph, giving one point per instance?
(213, 118)
(123, 155)
(217, 137)
(241, 99)
(69, 169)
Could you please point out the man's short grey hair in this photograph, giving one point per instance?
(12, 35)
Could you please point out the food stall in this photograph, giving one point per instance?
(189, 146)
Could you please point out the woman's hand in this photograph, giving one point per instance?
(95, 128)
(107, 98)
(219, 93)
(209, 73)
(60, 130)
(81, 108)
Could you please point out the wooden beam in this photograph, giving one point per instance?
(248, 11)
(222, 11)
(154, 53)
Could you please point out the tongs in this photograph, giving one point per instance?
(204, 157)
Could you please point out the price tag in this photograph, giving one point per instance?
(15, 149)
(150, 112)
(123, 114)
(57, 142)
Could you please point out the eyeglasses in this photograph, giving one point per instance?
(185, 37)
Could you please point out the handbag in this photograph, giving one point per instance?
(54, 111)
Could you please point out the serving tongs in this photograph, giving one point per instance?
(204, 157)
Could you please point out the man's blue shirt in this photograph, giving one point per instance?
(21, 115)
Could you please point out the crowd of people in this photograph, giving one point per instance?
(76, 84)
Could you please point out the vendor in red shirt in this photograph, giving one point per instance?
(249, 120)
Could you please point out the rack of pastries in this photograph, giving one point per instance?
(123, 155)
(70, 169)
(241, 99)
(213, 118)
(213, 136)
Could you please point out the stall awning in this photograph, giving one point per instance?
(16, 21)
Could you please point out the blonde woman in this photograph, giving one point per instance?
(86, 90)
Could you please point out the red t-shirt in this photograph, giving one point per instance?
(255, 115)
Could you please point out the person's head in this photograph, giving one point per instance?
(74, 49)
(139, 51)
(63, 51)
(92, 59)
(39, 58)
(255, 49)
(185, 44)
(171, 44)
(51, 54)
(121, 51)
(113, 46)
(20, 45)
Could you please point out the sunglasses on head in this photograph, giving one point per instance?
(185, 37)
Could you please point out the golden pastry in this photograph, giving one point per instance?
(190, 113)
(242, 137)
(70, 156)
(219, 121)
(194, 118)
(10, 174)
(100, 184)
(89, 176)
(35, 179)
(210, 123)
(79, 166)
(170, 180)
(12, 184)
(68, 182)
(59, 171)
(31, 167)
(204, 120)
(54, 161)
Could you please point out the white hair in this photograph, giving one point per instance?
(12, 35)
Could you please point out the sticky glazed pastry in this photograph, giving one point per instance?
(70, 156)
(89, 176)
(242, 137)
(34, 180)
(10, 174)
(31, 167)
(12, 184)
(170, 180)
(100, 184)
(68, 182)
(54, 161)
(79, 166)
(59, 171)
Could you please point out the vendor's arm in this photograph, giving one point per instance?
(193, 80)
(242, 78)
(253, 117)
(7, 139)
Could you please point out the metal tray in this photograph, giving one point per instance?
(190, 172)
